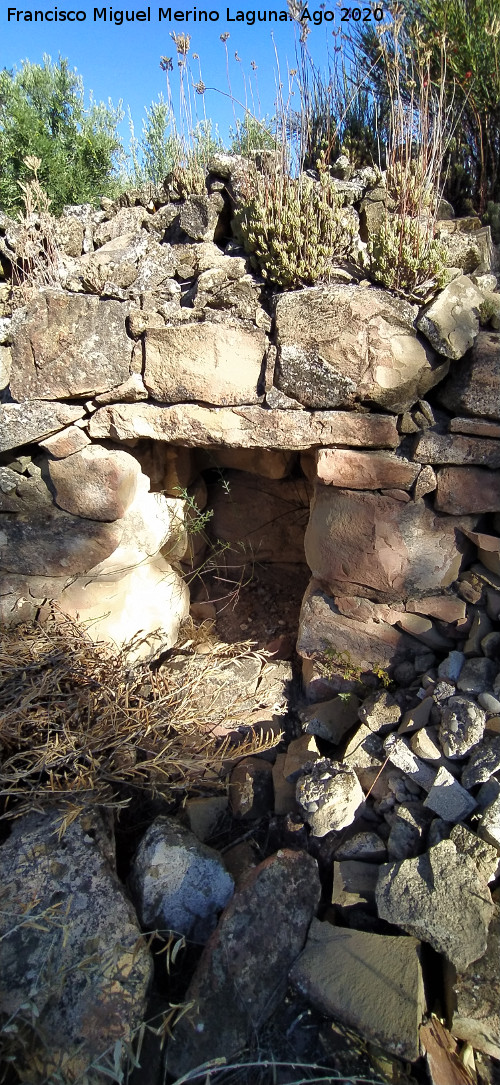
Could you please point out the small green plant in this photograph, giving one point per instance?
(406, 258)
(293, 226)
(333, 663)
(195, 520)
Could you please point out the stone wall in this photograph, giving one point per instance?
(155, 339)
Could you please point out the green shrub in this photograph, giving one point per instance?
(406, 259)
(293, 227)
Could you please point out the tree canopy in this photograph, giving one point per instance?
(43, 114)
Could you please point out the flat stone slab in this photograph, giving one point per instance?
(25, 423)
(354, 470)
(458, 449)
(244, 427)
(371, 982)
(441, 898)
(207, 362)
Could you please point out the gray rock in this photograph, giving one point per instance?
(71, 945)
(200, 215)
(490, 703)
(441, 898)
(177, 882)
(25, 423)
(483, 762)
(354, 883)
(408, 830)
(251, 793)
(96, 483)
(330, 339)
(451, 321)
(484, 855)
(448, 799)
(462, 726)
(69, 345)
(477, 675)
(473, 387)
(372, 983)
(475, 1016)
(330, 796)
(451, 667)
(330, 719)
(380, 712)
(366, 847)
(56, 545)
(401, 755)
(489, 825)
(481, 626)
(242, 975)
(490, 645)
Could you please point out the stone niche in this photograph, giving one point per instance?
(157, 393)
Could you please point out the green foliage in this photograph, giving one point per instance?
(252, 135)
(405, 258)
(158, 150)
(293, 227)
(466, 34)
(492, 218)
(43, 114)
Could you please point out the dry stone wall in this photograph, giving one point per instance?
(157, 339)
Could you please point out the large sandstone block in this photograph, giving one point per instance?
(208, 362)
(467, 490)
(363, 543)
(326, 634)
(341, 344)
(371, 982)
(346, 467)
(473, 385)
(69, 345)
(243, 427)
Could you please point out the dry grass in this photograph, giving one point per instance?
(78, 725)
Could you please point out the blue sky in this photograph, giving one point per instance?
(122, 61)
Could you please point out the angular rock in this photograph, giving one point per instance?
(363, 543)
(66, 442)
(451, 321)
(242, 975)
(364, 847)
(338, 344)
(177, 883)
(408, 830)
(354, 882)
(489, 825)
(364, 754)
(462, 726)
(96, 483)
(474, 385)
(301, 752)
(416, 717)
(448, 799)
(69, 345)
(25, 423)
(484, 855)
(477, 675)
(441, 898)
(426, 483)
(467, 490)
(284, 790)
(208, 362)
(457, 449)
(5, 366)
(451, 667)
(401, 755)
(251, 793)
(447, 608)
(243, 427)
(199, 216)
(77, 954)
(330, 796)
(205, 815)
(475, 1017)
(330, 719)
(380, 712)
(478, 427)
(371, 982)
(346, 468)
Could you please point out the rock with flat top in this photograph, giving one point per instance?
(448, 799)
(441, 898)
(208, 362)
(371, 982)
